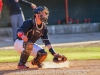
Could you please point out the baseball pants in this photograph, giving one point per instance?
(16, 21)
(18, 46)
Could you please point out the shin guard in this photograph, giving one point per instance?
(28, 46)
(41, 56)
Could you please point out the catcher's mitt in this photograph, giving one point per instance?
(59, 58)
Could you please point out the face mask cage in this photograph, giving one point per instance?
(44, 15)
(43, 12)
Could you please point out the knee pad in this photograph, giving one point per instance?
(42, 51)
(28, 46)
(41, 56)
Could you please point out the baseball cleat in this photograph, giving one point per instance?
(39, 61)
(41, 65)
(22, 67)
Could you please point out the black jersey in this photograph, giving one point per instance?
(14, 7)
(34, 31)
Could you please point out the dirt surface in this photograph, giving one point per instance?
(82, 67)
(72, 67)
(75, 67)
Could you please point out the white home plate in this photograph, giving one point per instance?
(56, 65)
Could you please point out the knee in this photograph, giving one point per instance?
(28, 46)
(40, 57)
(42, 52)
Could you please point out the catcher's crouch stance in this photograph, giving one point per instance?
(28, 34)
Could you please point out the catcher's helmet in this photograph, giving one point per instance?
(42, 9)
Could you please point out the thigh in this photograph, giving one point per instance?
(14, 21)
(18, 46)
(21, 19)
(36, 48)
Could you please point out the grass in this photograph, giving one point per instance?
(72, 53)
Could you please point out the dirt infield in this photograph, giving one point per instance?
(76, 67)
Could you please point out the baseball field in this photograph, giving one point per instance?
(82, 60)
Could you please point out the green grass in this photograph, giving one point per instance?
(73, 53)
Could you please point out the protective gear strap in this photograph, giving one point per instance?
(28, 46)
(24, 57)
(52, 51)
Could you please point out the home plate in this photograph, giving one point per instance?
(56, 65)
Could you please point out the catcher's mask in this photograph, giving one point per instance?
(43, 12)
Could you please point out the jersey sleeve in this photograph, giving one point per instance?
(25, 2)
(26, 26)
(45, 38)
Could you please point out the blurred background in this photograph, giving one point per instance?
(79, 11)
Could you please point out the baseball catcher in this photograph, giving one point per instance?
(30, 31)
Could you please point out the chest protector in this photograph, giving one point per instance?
(36, 32)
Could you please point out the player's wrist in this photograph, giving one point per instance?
(56, 54)
(20, 34)
(52, 51)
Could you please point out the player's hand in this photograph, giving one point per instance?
(33, 6)
(56, 54)
(16, 0)
(59, 58)
(24, 38)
